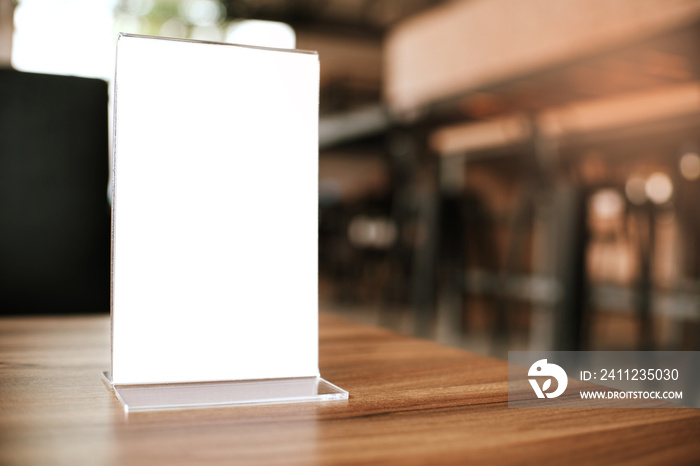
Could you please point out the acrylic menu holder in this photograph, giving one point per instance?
(214, 235)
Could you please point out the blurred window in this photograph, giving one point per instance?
(72, 37)
(77, 37)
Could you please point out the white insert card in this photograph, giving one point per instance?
(215, 212)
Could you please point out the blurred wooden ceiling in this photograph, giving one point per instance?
(668, 59)
(481, 58)
(368, 19)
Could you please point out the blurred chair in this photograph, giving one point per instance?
(54, 213)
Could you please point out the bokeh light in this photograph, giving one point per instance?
(262, 33)
(689, 165)
(174, 27)
(659, 188)
(202, 12)
(607, 203)
(366, 232)
(208, 33)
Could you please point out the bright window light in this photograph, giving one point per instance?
(71, 37)
(262, 33)
(78, 37)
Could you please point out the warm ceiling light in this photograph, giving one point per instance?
(607, 203)
(658, 188)
(690, 166)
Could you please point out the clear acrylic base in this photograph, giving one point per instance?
(229, 393)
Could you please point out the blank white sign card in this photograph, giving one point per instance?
(215, 212)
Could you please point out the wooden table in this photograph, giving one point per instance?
(411, 402)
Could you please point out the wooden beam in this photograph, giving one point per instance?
(582, 117)
(467, 45)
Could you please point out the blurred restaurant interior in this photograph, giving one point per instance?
(495, 175)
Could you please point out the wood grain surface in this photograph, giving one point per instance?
(411, 402)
